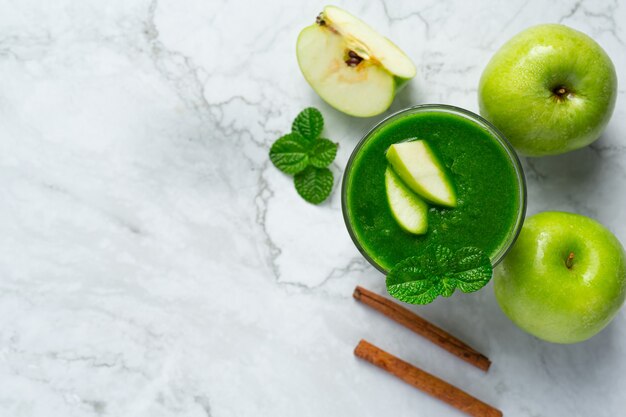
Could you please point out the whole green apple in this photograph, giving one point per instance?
(550, 89)
(564, 279)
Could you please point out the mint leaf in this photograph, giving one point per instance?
(309, 123)
(323, 153)
(410, 282)
(314, 184)
(290, 153)
(439, 271)
(473, 269)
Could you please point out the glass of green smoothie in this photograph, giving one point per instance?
(487, 176)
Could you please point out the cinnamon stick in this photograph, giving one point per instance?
(424, 381)
(422, 327)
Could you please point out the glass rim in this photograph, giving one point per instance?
(500, 138)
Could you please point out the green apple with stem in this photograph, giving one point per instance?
(351, 66)
(564, 278)
(550, 89)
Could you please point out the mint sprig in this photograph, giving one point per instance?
(304, 154)
(439, 271)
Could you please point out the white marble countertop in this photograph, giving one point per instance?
(154, 263)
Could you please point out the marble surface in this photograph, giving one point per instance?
(154, 263)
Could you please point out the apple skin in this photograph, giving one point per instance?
(517, 90)
(539, 293)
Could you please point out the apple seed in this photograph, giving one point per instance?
(354, 59)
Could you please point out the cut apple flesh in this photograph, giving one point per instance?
(409, 210)
(420, 169)
(364, 90)
(351, 67)
(368, 43)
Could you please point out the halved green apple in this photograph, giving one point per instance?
(351, 66)
(409, 210)
(420, 169)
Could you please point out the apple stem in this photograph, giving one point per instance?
(560, 93)
(570, 260)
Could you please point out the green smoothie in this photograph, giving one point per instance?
(485, 171)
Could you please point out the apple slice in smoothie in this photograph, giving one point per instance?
(420, 169)
(409, 210)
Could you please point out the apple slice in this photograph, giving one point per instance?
(351, 66)
(420, 169)
(409, 210)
